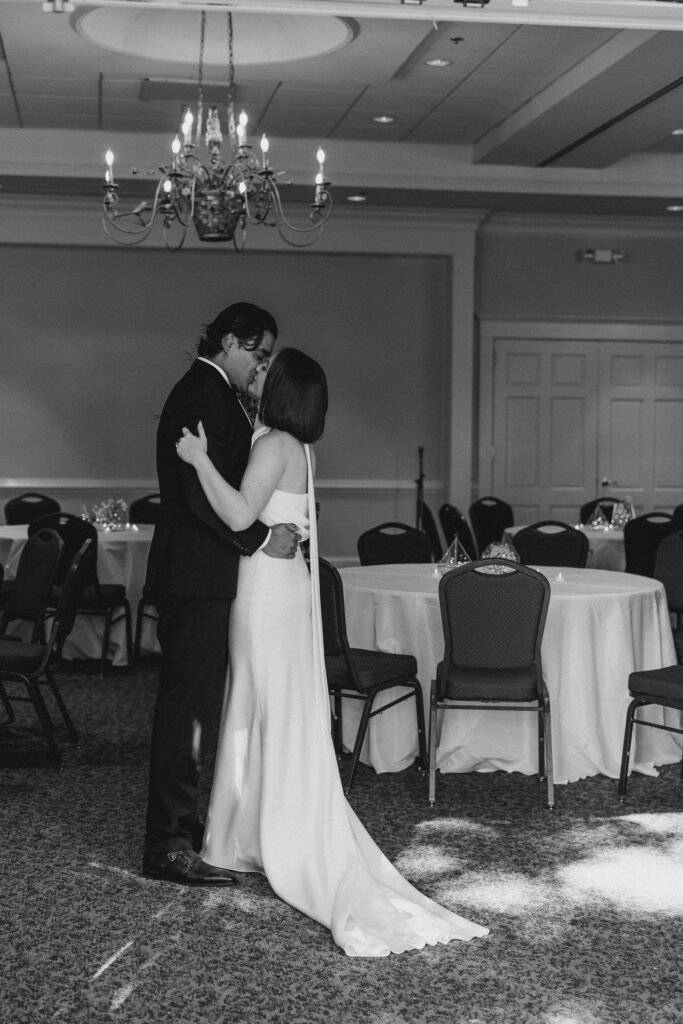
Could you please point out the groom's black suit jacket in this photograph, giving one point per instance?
(193, 553)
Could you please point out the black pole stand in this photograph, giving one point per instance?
(420, 491)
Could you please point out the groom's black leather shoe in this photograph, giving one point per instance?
(186, 868)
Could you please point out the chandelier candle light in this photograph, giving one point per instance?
(219, 199)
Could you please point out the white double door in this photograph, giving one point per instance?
(568, 419)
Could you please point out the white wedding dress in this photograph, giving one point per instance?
(277, 806)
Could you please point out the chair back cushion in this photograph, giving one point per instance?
(145, 510)
(26, 508)
(669, 569)
(642, 537)
(74, 531)
(551, 542)
(493, 622)
(490, 518)
(332, 609)
(606, 505)
(38, 563)
(393, 544)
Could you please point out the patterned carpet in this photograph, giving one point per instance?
(584, 905)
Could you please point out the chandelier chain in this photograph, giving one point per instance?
(231, 59)
(202, 38)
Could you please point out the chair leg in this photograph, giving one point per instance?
(129, 633)
(421, 730)
(548, 743)
(432, 744)
(542, 769)
(337, 739)
(139, 618)
(360, 737)
(626, 753)
(44, 719)
(59, 701)
(9, 710)
(105, 643)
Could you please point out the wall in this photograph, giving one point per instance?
(92, 340)
(531, 285)
(528, 267)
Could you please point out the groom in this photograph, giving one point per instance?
(192, 575)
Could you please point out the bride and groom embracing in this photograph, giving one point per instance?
(235, 504)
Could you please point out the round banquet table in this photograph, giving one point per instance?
(600, 626)
(121, 558)
(605, 547)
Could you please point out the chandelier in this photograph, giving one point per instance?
(221, 199)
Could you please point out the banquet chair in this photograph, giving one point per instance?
(678, 513)
(428, 526)
(669, 571)
(642, 537)
(27, 600)
(493, 614)
(358, 674)
(393, 544)
(490, 518)
(145, 510)
(25, 508)
(454, 524)
(606, 504)
(660, 686)
(104, 600)
(551, 542)
(28, 664)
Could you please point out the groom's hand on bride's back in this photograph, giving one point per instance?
(283, 542)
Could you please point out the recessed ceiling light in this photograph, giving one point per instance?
(675, 209)
(438, 62)
(357, 197)
(384, 119)
(677, 131)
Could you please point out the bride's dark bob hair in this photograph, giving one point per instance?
(294, 396)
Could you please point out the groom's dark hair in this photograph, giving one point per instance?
(247, 322)
(294, 396)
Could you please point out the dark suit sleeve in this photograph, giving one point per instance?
(228, 446)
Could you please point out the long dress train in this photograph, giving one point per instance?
(277, 806)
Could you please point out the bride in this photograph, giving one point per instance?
(277, 806)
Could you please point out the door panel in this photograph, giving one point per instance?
(544, 426)
(561, 414)
(640, 435)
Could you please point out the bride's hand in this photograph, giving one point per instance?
(191, 447)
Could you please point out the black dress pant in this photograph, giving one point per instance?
(193, 633)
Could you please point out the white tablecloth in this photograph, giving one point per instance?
(605, 547)
(600, 627)
(121, 558)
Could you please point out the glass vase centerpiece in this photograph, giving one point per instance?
(108, 515)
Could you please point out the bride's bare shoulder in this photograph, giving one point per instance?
(281, 440)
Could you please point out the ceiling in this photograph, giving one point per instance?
(555, 106)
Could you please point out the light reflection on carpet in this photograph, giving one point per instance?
(426, 862)
(637, 878)
(443, 827)
(506, 892)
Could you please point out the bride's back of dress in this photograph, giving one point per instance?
(277, 804)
